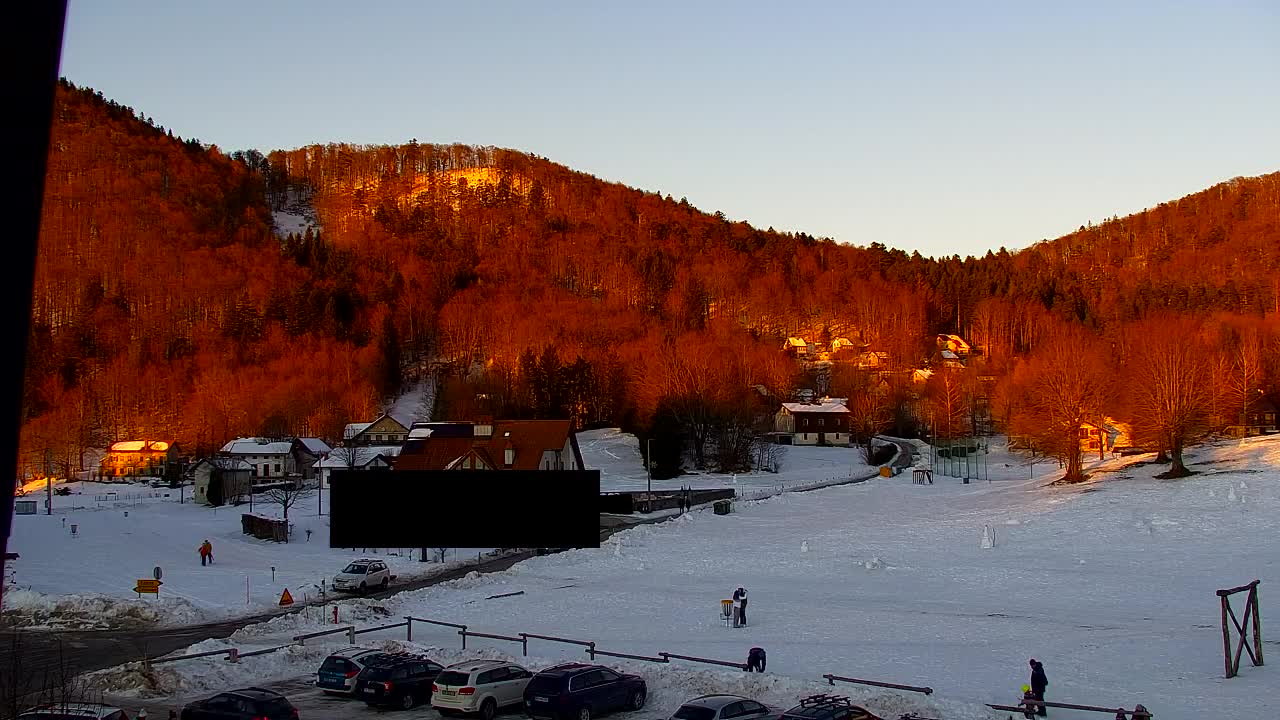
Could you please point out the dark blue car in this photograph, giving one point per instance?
(577, 691)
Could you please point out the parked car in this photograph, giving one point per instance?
(247, 704)
(828, 707)
(340, 671)
(75, 711)
(483, 686)
(577, 691)
(361, 575)
(398, 680)
(723, 707)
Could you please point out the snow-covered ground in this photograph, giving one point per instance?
(617, 456)
(1109, 583)
(87, 580)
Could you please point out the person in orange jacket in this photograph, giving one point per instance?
(206, 553)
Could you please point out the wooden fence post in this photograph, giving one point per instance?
(1257, 623)
(1226, 639)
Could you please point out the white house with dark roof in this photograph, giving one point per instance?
(269, 458)
(819, 422)
(383, 431)
(360, 457)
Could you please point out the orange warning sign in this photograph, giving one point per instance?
(286, 598)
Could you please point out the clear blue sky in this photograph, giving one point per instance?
(943, 127)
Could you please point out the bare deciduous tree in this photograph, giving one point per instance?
(1061, 388)
(1168, 385)
(286, 496)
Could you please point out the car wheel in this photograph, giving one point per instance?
(584, 713)
(407, 702)
(637, 699)
(488, 709)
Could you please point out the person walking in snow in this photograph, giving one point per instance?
(740, 597)
(755, 660)
(206, 553)
(1039, 681)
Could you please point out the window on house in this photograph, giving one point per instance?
(821, 422)
(466, 463)
(277, 469)
(377, 438)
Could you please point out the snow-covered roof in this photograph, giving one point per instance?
(139, 446)
(828, 405)
(257, 446)
(797, 342)
(354, 429)
(363, 456)
(419, 433)
(948, 355)
(315, 445)
(226, 463)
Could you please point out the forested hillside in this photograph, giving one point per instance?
(166, 306)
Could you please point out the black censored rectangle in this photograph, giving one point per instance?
(465, 508)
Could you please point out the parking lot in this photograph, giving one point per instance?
(312, 704)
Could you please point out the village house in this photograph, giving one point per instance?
(821, 422)
(220, 479)
(270, 459)
(1259, 420)
(357, 457)
(799, 348)
(948, 359)
(500, 445)
(307, 452)
(954, 343)
(869, 360)
(138, 458)
(1106, 437)
(383, 431)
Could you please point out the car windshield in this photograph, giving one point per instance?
(334, 664)
(356, 569)
(692, 712)
(452, 678)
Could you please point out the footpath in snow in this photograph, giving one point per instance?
(1109, 583)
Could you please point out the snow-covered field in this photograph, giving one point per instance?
(87, 580)
(617, 456)
(1109, 583)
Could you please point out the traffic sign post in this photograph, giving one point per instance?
(147, 586)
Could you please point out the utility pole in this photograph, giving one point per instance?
(48, 480)
(648, 462)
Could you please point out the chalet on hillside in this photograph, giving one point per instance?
(799, 348)
(954, 343)
(947, 359)
(383, 431)
(500, 445)
(138, 458)
(821, 422)
(869, 360)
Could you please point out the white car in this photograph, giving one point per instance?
(479, 686)
(363, 575)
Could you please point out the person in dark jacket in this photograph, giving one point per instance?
(740, 597)
(1039, 681)
(755, 660)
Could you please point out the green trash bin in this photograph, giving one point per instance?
(722, 507)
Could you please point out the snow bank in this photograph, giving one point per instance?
(25, 608)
